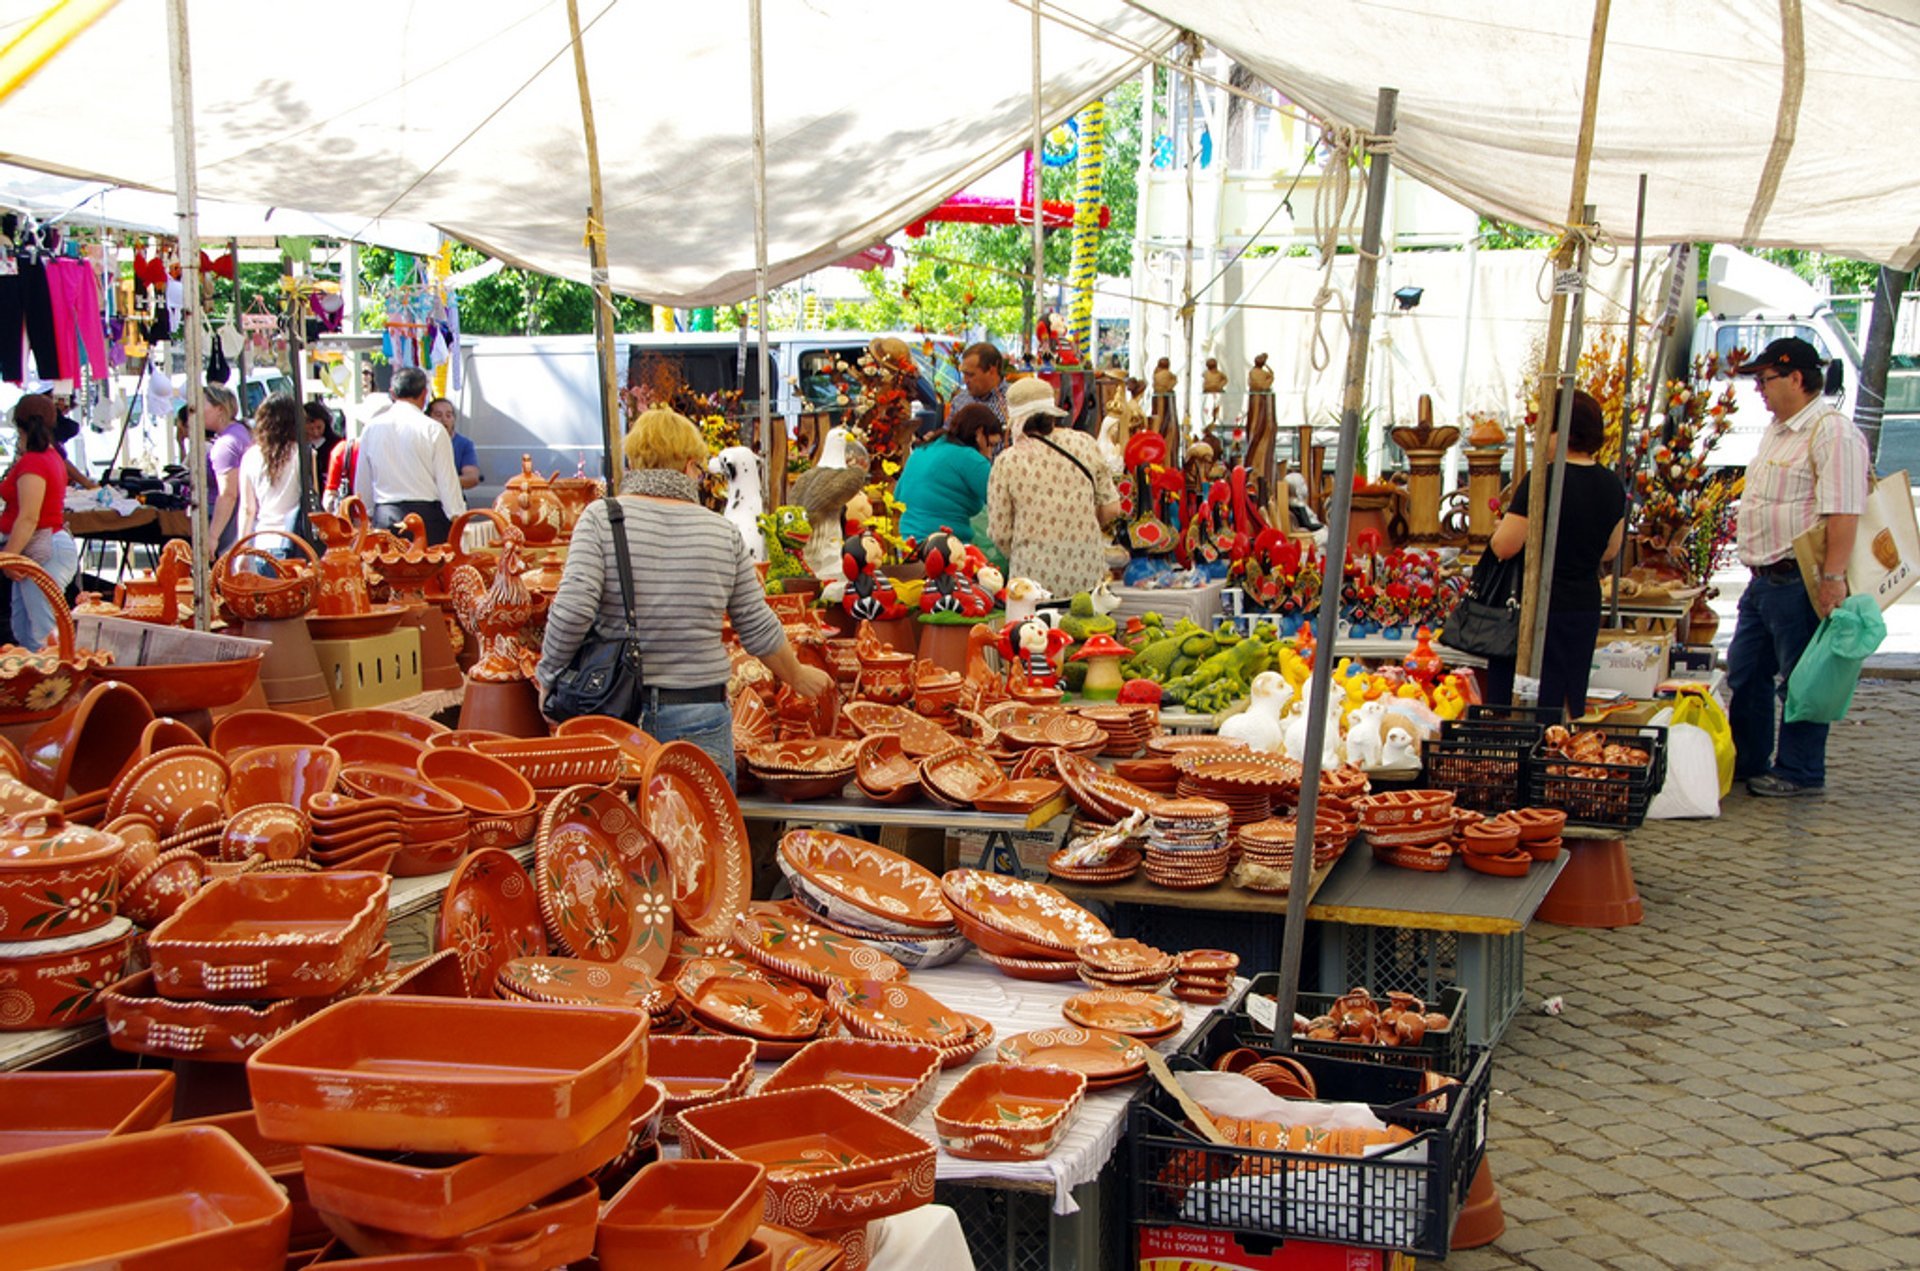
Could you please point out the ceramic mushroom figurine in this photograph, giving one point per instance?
(1103, 655)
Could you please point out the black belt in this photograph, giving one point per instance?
(685, 696)
(1788, 568)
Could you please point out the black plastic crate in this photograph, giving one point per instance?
(1613, 796)
(1539, 716)
(1487, 774)
(1441, 1050)
(1383, 1202)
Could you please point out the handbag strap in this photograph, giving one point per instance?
(1066, 454)
(617, 518)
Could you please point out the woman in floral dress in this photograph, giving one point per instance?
(1050, 497)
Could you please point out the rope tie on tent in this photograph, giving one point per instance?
(1601, 249)
(596, 233)
(1337, 204)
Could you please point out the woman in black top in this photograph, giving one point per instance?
(1592, 524)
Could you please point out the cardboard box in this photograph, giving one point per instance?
(1201, 1249)
(1634, 662)
(372, 670)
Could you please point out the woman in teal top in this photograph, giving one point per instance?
(945, 481)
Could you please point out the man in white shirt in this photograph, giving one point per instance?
(1812, 468)
(406, 462)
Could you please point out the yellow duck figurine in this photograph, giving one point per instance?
(1448, 701)
(1294, 668)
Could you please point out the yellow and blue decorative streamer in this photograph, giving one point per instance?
(1091, 128)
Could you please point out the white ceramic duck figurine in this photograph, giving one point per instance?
(1398, 751)
(1364, 742)
(1259, 725)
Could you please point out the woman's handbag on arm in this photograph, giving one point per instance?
(604, 676)
(1487, 619)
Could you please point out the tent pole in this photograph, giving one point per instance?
(296, 351)
(766, 446)
(1557, 473)
(1530, 594)
(1039, 201)
(1181, 417)
(1339, 515)
(186, 187)
(603, 318)
(1626, 391)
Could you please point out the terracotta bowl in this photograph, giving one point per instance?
(141, 1022)
(557, 1231)
(388, 750)
(157, 892)
(484, 786)
(1490, 838)
(418, 727)
(276, 831)
(419, 860)
(281, 774)
(53, 1109)
(243, 730)
(505, 831)
(56, 983)
(164, 733)
(690, 1215)
(415, 792)
(635, 742)
(84, 747)
(339, 850)
(188, 686)
(55, 879)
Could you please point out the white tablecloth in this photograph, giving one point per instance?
(924, 1239)
(1013, 1006)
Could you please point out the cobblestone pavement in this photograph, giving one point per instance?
(1735, 1082)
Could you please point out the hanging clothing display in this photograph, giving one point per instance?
(50, 305)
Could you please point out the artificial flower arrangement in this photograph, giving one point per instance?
(1670, 473)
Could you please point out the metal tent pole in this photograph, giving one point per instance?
(186, 188)
(766, 381)
(1626, 390)
(1531, 593)
(1039, 200)
(1338, 516)
(603, 318)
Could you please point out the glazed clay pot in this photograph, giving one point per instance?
(343, 578)
(529, 503)
(55, 879)
(57, 983)
(85, 747)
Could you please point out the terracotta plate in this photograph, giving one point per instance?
(898, 1012)
(583, 983)
(1018, 796)
(1095, 1052)
(866, 881)
(807, 952)
(919, 737)
(490, 915)
(583, 893)
(604, 816)
(961, 774)
(1126, 1011)
(690, 812)
(752, 1006)
(1099, 791)
(1032, 912)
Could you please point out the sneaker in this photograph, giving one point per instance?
(1771, 786)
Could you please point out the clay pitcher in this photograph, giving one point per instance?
(343, 578)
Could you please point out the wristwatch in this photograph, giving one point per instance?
(1833, 578)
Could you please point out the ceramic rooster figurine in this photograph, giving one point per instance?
(496, 614)
(157, 599)
(951, 585)
(869, 595)
(1035, 648)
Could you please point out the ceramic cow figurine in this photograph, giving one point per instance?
(745, 476)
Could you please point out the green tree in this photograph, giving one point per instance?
(510, 302)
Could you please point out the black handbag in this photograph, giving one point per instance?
(604, 677)
(1487, 619)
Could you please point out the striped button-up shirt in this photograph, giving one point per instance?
(1811, 465)
(996, 401)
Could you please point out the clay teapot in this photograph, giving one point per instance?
(886, 675)
(529, 503)
(575, 493)
(343, 576)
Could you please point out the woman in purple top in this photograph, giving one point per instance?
(228, 439)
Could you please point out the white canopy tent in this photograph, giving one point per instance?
(464, 114)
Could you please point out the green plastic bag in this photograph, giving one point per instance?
(1696, 706)
(1821, 687)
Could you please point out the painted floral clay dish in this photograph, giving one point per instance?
(895, 1078)
(961, 775)
(489, 916)
(1136, 1014)
(830, 1162)
(606, 818)
(1005, 1112)
(920, 738)
(861, 881)
(401, 1073)
(891, 1011)
(1102, 1057)
(1030, 912)
(181, 789)
(690, 812)
(583, 892)
(141, 1022)
(805, 951)
(582, 983)
(752, 1005)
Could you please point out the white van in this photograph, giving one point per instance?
(540, 395)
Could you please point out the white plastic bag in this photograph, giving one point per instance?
(1692, 788)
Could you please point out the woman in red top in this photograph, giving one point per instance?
(33, 517)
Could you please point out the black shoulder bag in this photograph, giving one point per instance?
(604, 677)
(1068, 455)
(1487, 619)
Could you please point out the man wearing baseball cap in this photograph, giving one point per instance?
(1812, 467)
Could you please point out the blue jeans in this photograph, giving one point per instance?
(33, 618)
(708, 725)
(1775, 622)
